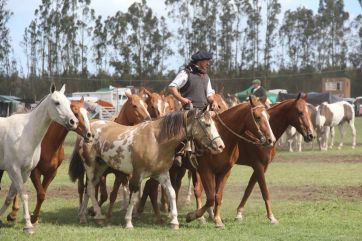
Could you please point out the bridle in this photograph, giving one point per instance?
(189, 136)
(262, 139)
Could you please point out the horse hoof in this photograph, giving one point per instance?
(174, 226)
(99, 221)
(190, 217)
(220, 226)
(129, 226)
(238, 218)
(159, 221)
(28, 230)
(10, 218)
(33, 219)
(202, 220)
(82, 221)
(274, 221)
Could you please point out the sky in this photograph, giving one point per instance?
(23, 13)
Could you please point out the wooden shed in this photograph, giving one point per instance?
(339, 86)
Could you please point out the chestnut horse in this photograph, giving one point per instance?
(133, 111)
(52, 156)
(245, 121)
(292, 112)
(122, 147)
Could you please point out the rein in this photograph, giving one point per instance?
(258, 142)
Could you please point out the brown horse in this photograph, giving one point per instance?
(133, 111)
(52, 156)
(244, 121)
(155, 103)
(289, 112)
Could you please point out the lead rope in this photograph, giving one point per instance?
(236, 134)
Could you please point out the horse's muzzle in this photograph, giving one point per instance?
(308, 137)
(88, 138)
(217, 146)
(71, 124)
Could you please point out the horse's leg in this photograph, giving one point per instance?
(353, 128)
(93, 176)
(102, 187)
(153, 193)
(125, 193)
(1, 176)
(17, 186)
(146, 192)
(220, 185)
(134, 187)
(81, 189)
(341, 133)
(35, 177)
(208, 182)
(247, 192)
(333, 133)
(15, 208)
(164, 180)
(113, 195)
(260, 173)
(189, 189)
(198, 194)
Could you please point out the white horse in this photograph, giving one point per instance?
(21, 136)
(331, 115)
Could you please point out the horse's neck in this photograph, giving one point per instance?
(54, 137)
(231, 119)
(122, 117)
(39, 121)
(278, 122)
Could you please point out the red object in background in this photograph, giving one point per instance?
(104, 103)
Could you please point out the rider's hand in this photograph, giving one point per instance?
(185, 101)
(214, 106)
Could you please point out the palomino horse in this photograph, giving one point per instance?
(52, 156)
(123, 148)
(331, 115)
(21, 143)
(292, 112)
(133, 111)
(245, 121)
(232, 100)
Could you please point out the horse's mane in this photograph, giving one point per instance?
(172, 124)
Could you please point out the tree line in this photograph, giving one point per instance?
(67, 40)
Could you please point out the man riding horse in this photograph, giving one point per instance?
(192, 86)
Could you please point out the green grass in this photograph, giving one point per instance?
(315, 196)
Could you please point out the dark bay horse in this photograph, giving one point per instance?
(289, 112)
(122, 147)
(52, 156)
(247, 121)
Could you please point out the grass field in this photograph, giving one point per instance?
(315, 196)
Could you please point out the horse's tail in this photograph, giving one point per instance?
(76, 168)
(1, 176)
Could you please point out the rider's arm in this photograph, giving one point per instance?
(176, 84)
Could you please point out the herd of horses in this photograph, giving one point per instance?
(139, 143)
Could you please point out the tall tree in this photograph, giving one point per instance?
(5, 47)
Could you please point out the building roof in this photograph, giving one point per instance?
(9, 98)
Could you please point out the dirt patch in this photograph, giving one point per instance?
(320, 158)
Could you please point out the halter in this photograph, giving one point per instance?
(262, 137)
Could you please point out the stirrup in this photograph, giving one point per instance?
(193, 159)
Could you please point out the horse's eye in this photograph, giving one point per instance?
(57, 103)
(76, 115)
(134, 106)
(258, 118)
(208, 125)
(300, 113)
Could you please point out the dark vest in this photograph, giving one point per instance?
(261, 92)
(195, 89)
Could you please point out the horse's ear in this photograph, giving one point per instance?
(128, 93)
(304, 96)
(263, 99)
(62, 90)
(82, 100)
(252, 100)
(299, 95)
(52, 88)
